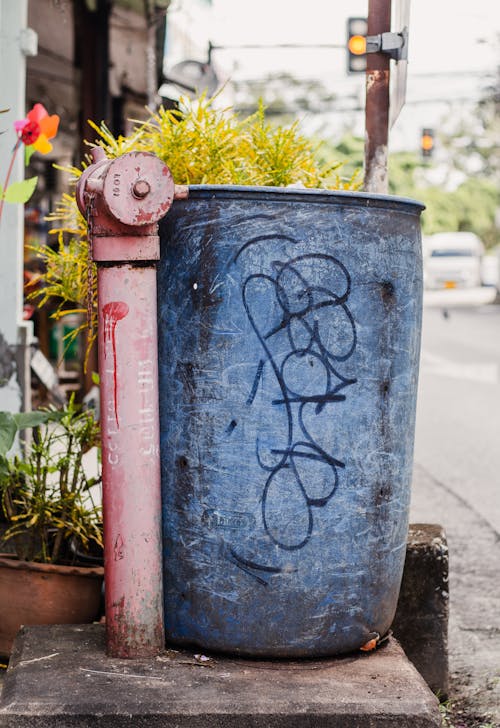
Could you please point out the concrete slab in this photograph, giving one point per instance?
(59, 676)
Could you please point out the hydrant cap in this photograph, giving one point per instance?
(138, 189)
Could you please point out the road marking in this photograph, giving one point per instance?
(472, 372)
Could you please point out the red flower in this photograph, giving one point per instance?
(38, 128)
(30, 133)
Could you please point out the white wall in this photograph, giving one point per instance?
(13, 17)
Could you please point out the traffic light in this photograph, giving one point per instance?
(427, 142)
(357, 29)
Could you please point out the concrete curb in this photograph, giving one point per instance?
(421, 621)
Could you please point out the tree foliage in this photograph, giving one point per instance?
(472, 205)
(283, 95)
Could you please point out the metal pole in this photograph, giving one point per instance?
(377, 102)
(123, 200)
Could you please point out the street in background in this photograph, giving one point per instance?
(456, 479)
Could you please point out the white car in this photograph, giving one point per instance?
(452, 260)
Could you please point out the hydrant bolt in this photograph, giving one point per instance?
(141, 189)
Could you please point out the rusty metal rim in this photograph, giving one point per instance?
(10, 561)
(294, 194)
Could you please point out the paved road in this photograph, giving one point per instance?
(458, 420)
(457, 479)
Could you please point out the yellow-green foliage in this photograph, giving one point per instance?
(201, 144)
(205, 145)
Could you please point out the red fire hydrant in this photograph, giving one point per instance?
(123, 199)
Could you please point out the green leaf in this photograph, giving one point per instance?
(8, 430)
(56, 415)
(4, 468)
(24, 420)
(95, 378)
(28, 153)
(20, 191)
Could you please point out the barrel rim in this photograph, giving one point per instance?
(342, 197)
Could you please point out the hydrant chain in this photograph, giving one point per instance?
(89, 214)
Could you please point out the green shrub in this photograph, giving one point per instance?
(201, 144)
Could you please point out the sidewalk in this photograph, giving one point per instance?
(474, 628)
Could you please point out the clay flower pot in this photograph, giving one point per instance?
(33, 593)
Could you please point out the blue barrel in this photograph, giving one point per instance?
(289, 336)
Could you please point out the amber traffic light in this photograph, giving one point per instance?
(427, 142)
(356, 44)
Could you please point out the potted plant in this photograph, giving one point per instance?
(289, 312)
(50, 565)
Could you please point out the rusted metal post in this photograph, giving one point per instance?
(123, 200)
(377, 102)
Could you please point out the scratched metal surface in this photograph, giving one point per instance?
(289, 335)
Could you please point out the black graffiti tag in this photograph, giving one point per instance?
(311, 335)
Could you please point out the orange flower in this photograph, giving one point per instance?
(38, 128)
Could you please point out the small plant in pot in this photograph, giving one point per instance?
(50, 568)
